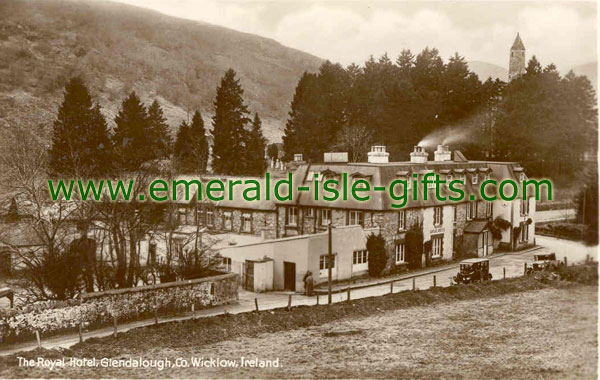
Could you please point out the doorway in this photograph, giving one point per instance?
(289, 276)
(485, 243)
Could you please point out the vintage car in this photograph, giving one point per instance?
(542, 262)
(472, 270)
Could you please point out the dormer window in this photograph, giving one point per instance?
(522, 177)
(474, 178)
(448, 179)
(314, 176)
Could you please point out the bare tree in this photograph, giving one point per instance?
(355, 139)
(23, 161)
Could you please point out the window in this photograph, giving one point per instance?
(210, 218)
(400, 251)
(246, 222)
(524, 232)
(355, 217)
(487, 176)
(436, 247)
(360, 257)
(227, 220)
(227, 263)
(474, 178)
(334, 182)
(472, 210)
(199, 220)
(325, 216)
(489, 209)
(292, 216)
(522, 177)
(524, 206)
(448, 179)
(182, 215)
(178, 246)
(462, 178)
(323, 267)
(360, 185)
(152, 253)
(401, 220)
(431, 185)
(437, 216)
(310, 212)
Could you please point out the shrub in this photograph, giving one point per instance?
(414, 246)
(377, 254)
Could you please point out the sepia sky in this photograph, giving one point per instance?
(349, 31)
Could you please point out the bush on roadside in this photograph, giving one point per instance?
(377, 255)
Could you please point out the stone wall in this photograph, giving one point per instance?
(100, 308)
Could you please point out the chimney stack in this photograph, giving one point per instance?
(442, 153)
(418, 155)
(378, 155)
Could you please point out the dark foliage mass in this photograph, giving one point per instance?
(542, 120)
(239, 145)
(377, 254)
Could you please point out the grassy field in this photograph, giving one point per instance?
(518, 328)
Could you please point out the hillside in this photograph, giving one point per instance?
(118, 48)
(484, 70)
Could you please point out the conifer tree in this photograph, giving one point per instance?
(191, 146)
(80, 144)
(131, 138)
(182, 148)
(158, 133)
(229, 122)
(255, 149)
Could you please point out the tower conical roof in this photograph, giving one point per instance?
(518, 44)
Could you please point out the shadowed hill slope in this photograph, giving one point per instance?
(118, 48)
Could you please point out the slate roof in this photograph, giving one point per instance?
(237, 200)
(384, 174)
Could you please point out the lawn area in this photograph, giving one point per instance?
(518, 328)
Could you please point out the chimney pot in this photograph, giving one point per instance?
(442, 153)
(418, 155)
(378, 155)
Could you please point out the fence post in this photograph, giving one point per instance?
(256, 303)
(37, 337)
(155, 315)
(289, 307)
(392, 287)
(348, 291)
(193, 310)
(317, 299)
(504, 272)
(414, 287)
(434, 282)
(80, 322)
(566, 264)
(524, 269)
(115, 325)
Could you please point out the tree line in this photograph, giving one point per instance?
(543, 120)
(83, 146)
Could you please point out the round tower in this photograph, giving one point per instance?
(516, 64)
